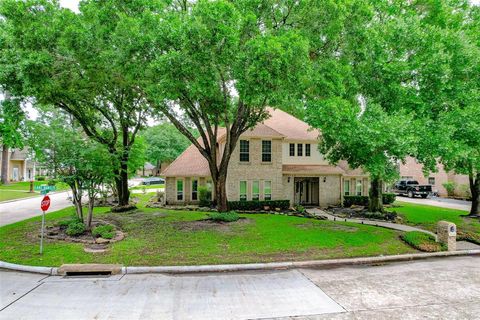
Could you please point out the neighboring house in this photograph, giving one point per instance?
(414, 170)
(20, 167)
(147, 170)
(276, 160)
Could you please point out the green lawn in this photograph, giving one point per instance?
(12, 194)
(25, 185)
(153, 186)
(162, 237)
(426, 217)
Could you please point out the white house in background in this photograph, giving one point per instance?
(20, 166)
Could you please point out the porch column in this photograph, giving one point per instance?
(25, 170)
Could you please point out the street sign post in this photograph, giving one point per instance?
(44, 205)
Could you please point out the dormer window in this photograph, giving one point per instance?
(244, 151)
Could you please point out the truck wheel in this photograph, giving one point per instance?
(410, 194)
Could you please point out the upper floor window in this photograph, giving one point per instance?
(431, 180)
(299, 149)
(358, 188)
(346, 187)
(244, 151)
(292, 149)
(266, 151)
(255, 190)
(307, 150)
(243, 190)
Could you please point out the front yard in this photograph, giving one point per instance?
(163, 237)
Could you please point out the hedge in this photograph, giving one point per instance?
(259, 205)
(348, 201)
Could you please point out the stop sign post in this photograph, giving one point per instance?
(44, 205)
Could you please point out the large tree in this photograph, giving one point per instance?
(220, 64)
(163, 143)
(84, 64)
(12, 130)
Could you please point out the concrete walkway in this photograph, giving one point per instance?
(389, 225)
(439, 202)
(447, 288)
(22, 209)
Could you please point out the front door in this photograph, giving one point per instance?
(15, 174)
(306, 191)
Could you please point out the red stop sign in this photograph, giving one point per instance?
(45, 203)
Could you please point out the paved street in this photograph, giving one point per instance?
(14, 211)
(447, 288)
(439, 202)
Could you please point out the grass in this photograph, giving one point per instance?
(422, 241)
(426, 217)
(153, 186)
(20, 190)
(163, 237)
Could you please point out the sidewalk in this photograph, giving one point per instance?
(389, 225)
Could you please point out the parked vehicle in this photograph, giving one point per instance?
(412, 188)
(153, 180)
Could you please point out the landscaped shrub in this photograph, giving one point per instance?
(125, 208)
(75, 229)
(105, 231)
(469, 236)
(52, 182)
(300, 208)
(204, 196)
(450, 187)
(40, 178)
(380, 215)
(422, 241)
(388, 198)
(348, 201)
(259, 205)
(66, 223)
(230, 216)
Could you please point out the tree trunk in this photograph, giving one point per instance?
(91, 202)
(475, 191)
(375, 203)
(77, 201)
(122, 184)
(221, 193)
(4, 164)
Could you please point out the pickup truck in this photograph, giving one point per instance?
(412, 188)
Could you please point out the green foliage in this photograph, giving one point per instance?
(204, 196)
(164, 143)
(348, 201)
(229, 216)
(12, 123)
(300, 208)
(450, 187)
(40, 178)
(259, 205)
(422, 241)
(389, 216)
(388, 198)
(75, 229)
(105, 231)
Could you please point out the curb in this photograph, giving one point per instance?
(258, 266)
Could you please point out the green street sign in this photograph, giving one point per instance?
(46, 188)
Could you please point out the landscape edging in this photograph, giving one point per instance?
(257, 266)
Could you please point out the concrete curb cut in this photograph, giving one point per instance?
(257, 266)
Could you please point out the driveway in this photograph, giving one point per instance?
(19, 210)
(439, 202)
(447, 288)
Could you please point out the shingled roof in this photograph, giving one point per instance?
(279, 125)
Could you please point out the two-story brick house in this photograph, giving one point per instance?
(276, 160)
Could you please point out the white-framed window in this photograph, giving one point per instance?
(346, 187)
(267, 190)
(307, 150)
(292, 149)
(299, 149)
(244, 151)
(194, 189)
(256, 190)
(243, 190)
(358, 187)
(179, 189)
(266, 151)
